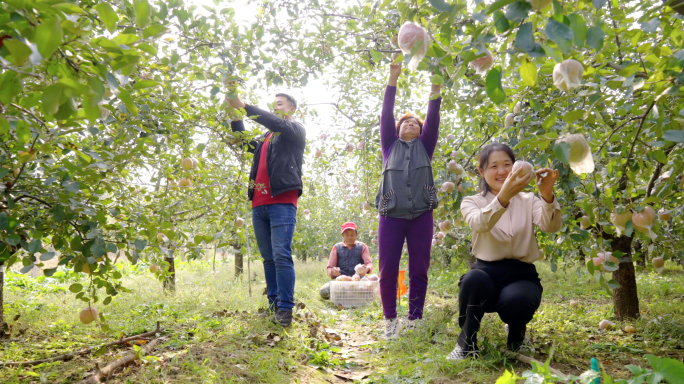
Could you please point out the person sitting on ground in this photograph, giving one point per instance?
(346, 255)
(502, 218)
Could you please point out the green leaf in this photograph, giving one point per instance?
(377, 56)
(498, 5)
(47, 256)
(562, 152)
(4, 221)
(501, 22)
(20, 51)
(147, 48)
(440, 5)
(437, 79)
(528, 73)
(629, 229)
(145, 84)
(549, 121)
(70, 8)
(4, 126)
(13, 239)
(126, 98)
(560, 34)
(35, 246)
(518, 11)
(609, 266)
(125, 39)
(75, 287)
(579, 29)
(672, 370)
(108, 16)
(524, 39)
(154, 30)
(49, 36)
(493, 86)
(595, 36)
(98, 248)
(674, 136)
(573, 115)
(23, 132)
(53, 96)
(553, 53)
(142, 13)
(612, 284)
(590, 266)
(140, 244)
(598, 4)
(660, 156)
(72, 84)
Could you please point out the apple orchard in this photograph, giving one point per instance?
(116, 147)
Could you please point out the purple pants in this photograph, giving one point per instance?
(391, 235)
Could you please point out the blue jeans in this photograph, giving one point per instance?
(273, 228)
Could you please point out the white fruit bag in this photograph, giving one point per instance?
(412, 35)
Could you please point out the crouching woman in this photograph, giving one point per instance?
(349, 257)
(502, 218)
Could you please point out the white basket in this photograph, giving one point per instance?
(353, 293)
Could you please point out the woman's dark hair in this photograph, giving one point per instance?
(409, 115)
(484, 160)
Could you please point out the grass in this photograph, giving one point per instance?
(215, 336)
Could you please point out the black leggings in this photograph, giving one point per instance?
(508, 287)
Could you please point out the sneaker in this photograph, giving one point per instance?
(392, 328)
(457, 354)
(284, 318)
(412, 325)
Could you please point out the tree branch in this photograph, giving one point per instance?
(71, 355)
(623, 179)
(618, 67)
(71, 63)
(29, 113)
(656, 173)
(615, 130)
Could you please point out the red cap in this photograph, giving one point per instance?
(348, 225)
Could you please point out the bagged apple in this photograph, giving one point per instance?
(414, 40)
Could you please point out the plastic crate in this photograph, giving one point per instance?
(353, 293)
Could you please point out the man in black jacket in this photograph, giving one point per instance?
(275, 186)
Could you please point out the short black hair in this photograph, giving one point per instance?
(288, 97)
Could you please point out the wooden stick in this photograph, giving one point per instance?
(111, 367)
(529, 360)
(71, 355)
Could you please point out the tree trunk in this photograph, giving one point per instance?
(3, 326)
(170, 281)
(625, 298)
(239, 266)
(304, 256)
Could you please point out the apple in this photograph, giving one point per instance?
(239, 222)
(605, 324)
(186, 163)
(88, 315)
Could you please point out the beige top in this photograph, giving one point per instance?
(508, 233)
